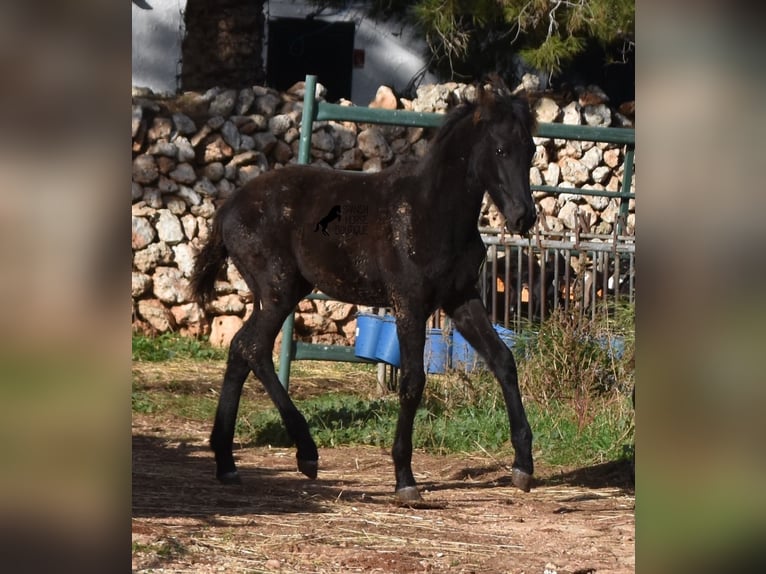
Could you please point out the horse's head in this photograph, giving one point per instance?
(502, 155)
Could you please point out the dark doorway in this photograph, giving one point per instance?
(298, 47)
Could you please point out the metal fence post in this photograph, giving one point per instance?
(304, 157)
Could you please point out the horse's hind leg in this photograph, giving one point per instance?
(251, 349)
(222, 437)
(470, 317)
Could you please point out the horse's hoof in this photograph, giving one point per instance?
(408, 495)
(521, 479)
(308, 467)
(231, 477)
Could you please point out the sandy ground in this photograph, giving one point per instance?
(575, 521)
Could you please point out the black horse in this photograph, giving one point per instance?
(415, 248)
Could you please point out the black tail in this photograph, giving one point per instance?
(209, 263)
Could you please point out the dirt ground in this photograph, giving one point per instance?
(574, 521)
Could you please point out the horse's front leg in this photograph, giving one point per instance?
(470, 318)
(411, 332)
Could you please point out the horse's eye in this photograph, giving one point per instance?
(501, 152)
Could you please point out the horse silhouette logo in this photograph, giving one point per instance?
(327, 219)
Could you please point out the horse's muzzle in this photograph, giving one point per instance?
(522, 222)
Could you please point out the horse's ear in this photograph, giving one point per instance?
(485, 99)
(498, 84)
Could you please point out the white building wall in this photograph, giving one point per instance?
(156, 49)
(393, 53)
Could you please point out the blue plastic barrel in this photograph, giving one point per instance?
(387, 349)
(464, 356)
(436, 355)
(367, 333)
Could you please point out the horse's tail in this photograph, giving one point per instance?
(209, 262)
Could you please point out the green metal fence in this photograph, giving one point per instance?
(320, 111)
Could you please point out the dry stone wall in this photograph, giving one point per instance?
(192, 151)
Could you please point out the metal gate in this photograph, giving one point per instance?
(524, 279)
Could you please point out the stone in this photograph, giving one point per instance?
(185, 150)
(385, 99)
(136, 116)
(267, 104)
(213, 171)
(373, 145)
(552, 175)
(322, 140)
(223, 104)
(183, 255)
(184, 173)
(597, 115)
(217, 149)
(571, 114)
(205, 209)
(345, 137)
(548, 205)
(291, 135)
(547, 110)
(597, 202)
(152, 197)
(372, 165)
(227, 305)
(264, 141)
(161, 129)
(231, 135)
(184, 124)
(611, 157)
(166, 185)
(574, 171)
(611, 211)
(165, 164)
(188, 314)
(336, 310)
(190, 196)
(600, 174)
(245, 100)
(568, 215)
(351, 159)
(143, 233)
(169, 227)
(175, 205)
(145, 169)
(246, 158)
(282, 152)
(204, 187)
(164, 148)
(280, 123)
(247, 173)
(592, 158)
(246, 143)
(223, 328)
(169, 286)
(136, 191)
(140, 284)
(189, 225)
(156, 314)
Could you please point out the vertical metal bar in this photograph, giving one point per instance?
(493, 251)
(304, 155)
(507, 292)
(627, 179)
(543, 275)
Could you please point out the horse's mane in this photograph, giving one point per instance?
(508, 105)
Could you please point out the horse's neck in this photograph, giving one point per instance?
(447, 183)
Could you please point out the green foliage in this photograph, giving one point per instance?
(169, 346)
(464, 34)
(576, 390)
